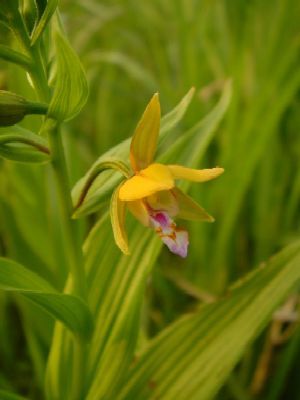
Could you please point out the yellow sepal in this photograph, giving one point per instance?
(144, 141)
(189, 209)
(117, 215)
(139, 210)
(195, 175)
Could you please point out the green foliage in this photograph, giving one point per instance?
(21, 145)
(70, 85)
(10, 396)
(42, 23)
(84, 321)
(218, 334)
(16, 278)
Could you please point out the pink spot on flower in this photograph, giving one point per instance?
(162, 219)
(174, 238)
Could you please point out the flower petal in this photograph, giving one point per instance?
(195, 175)
(139, 187)
(144, 141)
(189, 209)
(174, 238)
(117, 215)
(159, 173)
(139, 210)
(179, 243)
(153, 179)
(164, 201)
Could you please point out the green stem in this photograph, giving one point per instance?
(70, 230)
(36, 108)
(69, 226)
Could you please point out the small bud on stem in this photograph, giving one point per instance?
(13, 108)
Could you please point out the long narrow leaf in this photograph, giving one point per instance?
(67, 308)
(192, 358)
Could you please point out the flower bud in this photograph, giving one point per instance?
(13, 108)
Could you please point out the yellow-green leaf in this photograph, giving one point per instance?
(43, 22)
(18, 144)
(69, 309)
(187, 359)
(70, 84)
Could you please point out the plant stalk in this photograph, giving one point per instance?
(70, 236)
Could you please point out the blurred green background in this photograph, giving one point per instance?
(131, 49)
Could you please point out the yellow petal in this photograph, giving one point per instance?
(117, 215)
(159, 173)
(150, 180)
(144, 141)
(189, 209)
(139, 187)
(139, 210)
(196, 175)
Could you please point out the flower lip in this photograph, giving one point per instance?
(176, 239)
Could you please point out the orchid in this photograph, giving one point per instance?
(150, 193)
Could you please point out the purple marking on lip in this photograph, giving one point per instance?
(162, 219)
(175, 239)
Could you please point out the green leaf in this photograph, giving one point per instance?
(106, 182)
(8, 54)
(135, 70)
(21, 145)
(69, 309)
(70, 85)
(43, 22)
(95, 171)
(170, 120)
(188, 358)
(5, 395)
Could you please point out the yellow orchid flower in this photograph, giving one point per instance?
(150, 193)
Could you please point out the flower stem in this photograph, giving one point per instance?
(69, 226)
(70, 231)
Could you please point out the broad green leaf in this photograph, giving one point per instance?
(106, 182)
(43, 22)
(70, 85)
(193, 357)
(21, 145)
(5, 395)
(69, 309)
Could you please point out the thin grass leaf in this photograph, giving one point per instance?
(44, 20)
(187, 360)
